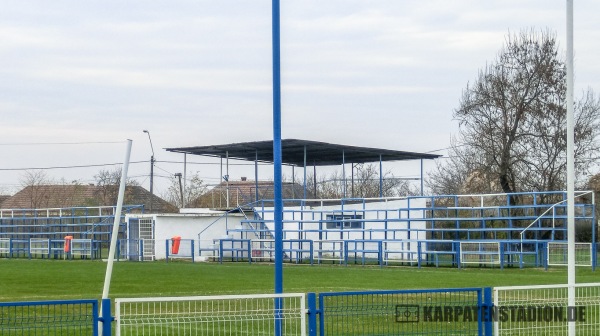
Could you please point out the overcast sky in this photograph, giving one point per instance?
(381, 73)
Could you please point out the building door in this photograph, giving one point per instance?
(140, 239)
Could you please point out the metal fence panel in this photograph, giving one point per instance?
(49, 318)
(403, 312)
(542, 309)
(255, 314)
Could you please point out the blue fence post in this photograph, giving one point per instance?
(321, 316)
(249, 251)
(488, 318)
(545, 255)
(167, 249)
(456, 246)
(106, 318)
(220, 251)
(141, 250)
(312, 314)
(419, 254)
(381, 257)
(501, 246)
(192, 250)
(118, 249)
(310, 243)
(346, 252)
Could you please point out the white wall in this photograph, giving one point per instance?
(300, 224)
(188, 226)
(304, 224)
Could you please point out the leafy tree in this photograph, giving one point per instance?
(512, 121)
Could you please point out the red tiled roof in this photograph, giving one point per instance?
(61, 196)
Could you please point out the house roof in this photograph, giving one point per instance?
(293, 152)
(61, 196)
(3, 198)
(244, 192)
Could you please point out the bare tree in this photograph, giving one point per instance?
(513, 122)
(108, 182)
(364, 184)
(194, 188)
(33, 183)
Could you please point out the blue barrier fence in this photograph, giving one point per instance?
(48, 318)
(525, 253)
(403, 312)
(415, 312)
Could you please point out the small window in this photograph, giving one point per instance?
(345, 222)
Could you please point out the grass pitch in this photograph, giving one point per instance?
(33, 280)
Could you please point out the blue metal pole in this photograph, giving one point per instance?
(489, 316)
(278, 216)
(106, 318)
(312, 313)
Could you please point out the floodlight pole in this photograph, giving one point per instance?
(178, 175)
(570, 173)
(151, 169)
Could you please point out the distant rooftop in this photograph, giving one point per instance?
(293, 152)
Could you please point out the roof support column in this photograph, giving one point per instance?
(227, 179)
(256, 177)
(315, 179)
(421, 177)
(380, 177)
(352, 180)
(344, 172)
(293, 182)
(304, 172)
(183, 200)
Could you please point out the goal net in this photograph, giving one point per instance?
(212, 315)
(483, 253)
(558, 254)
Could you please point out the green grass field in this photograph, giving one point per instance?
(32, 280)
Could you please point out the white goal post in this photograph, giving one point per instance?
(486, 253)
(81, 247)
(253, 314)
(5, 246)
(557, 254)
(39, 246)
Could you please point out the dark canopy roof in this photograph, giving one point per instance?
(292, 151)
